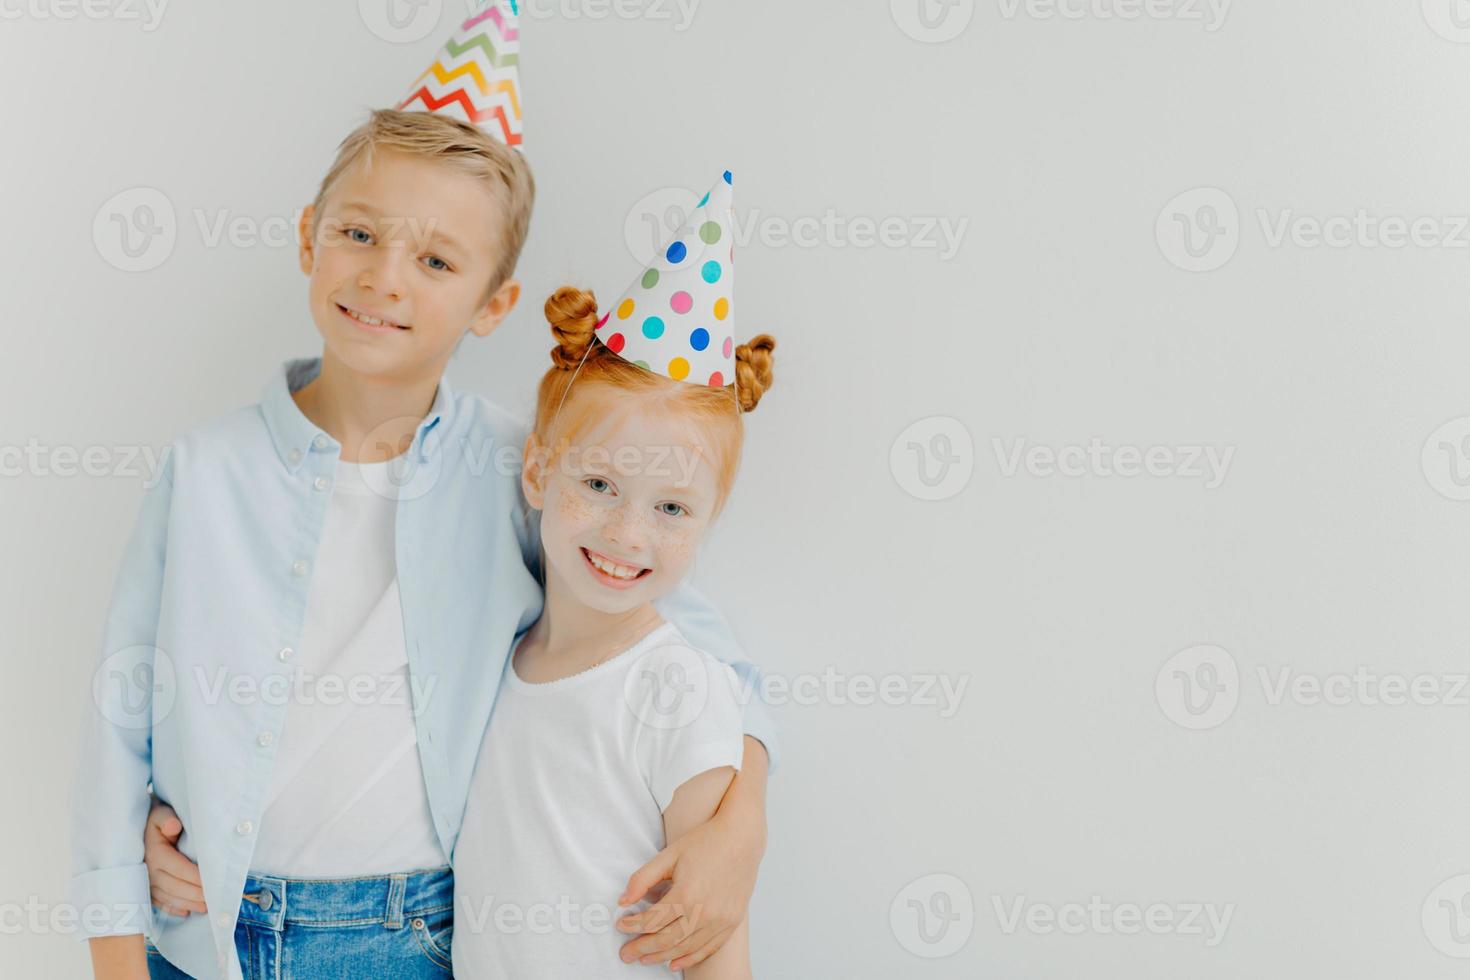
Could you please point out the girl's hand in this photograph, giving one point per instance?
(173, 879)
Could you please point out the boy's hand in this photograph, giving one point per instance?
(713, 868)
(173, 879)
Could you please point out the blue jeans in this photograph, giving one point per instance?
(397, 927)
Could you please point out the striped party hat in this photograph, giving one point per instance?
(476, 77)
(678, 318)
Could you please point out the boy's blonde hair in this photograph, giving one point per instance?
(467, 149)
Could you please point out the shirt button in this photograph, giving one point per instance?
(321, 483)
(264, 739)
(286, 654)
(320, 442)
(295, 456)
(244, 827)
(300, 568)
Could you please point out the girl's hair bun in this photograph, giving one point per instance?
(753, 370)
(572, 313)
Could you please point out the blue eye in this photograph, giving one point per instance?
(597, 484)
(353, 232)
(678, 509)
(441, 267)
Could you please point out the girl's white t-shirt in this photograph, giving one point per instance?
(347, 794)
(567, 802)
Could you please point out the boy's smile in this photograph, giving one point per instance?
(401, 259)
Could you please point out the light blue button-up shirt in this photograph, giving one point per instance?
(207, 611)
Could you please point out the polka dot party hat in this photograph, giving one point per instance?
(678, 318)
(476, 77)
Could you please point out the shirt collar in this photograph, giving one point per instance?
(296, 437)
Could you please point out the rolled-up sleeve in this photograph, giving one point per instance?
(110, 800)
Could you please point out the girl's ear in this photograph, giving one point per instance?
(533, 473)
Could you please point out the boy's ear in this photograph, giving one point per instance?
(303, 238)
(533, 473)
(496, 308)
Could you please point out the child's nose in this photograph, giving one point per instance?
(627, 528)
(382, 274)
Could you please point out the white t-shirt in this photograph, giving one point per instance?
(567, 801)
(347, 794)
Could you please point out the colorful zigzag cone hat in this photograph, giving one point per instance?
(678, 318)
(476, 77)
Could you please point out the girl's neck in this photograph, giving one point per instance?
(373, 418)
(571, 637)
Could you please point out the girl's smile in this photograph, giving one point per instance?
(613, 574)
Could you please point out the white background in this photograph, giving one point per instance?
(1068, 313)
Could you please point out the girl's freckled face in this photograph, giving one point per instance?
(641, 495)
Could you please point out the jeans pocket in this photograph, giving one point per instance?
(435, 936)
